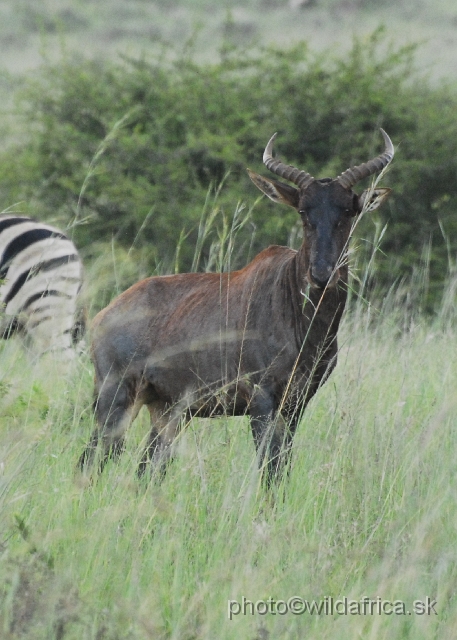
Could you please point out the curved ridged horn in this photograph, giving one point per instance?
(350, 177)
(298, 177)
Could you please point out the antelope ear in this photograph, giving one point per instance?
(276, 191)
(371, 199)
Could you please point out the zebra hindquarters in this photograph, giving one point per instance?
(42, 275)
(50, 309)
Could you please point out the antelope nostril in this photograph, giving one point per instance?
(321, 274)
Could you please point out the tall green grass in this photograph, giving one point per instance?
(369, 508)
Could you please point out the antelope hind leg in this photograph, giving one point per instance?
(164, 429)
(115, 409)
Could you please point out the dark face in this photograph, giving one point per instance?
(327, 210)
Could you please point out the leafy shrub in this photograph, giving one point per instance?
(127, 151)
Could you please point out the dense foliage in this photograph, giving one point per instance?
(129, 150)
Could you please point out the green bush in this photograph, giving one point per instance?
(128, 151)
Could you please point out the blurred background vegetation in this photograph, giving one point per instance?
(142, 153)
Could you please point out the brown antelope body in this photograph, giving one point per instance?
(258, 341)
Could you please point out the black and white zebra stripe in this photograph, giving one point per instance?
(40, 277)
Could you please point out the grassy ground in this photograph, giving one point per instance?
(370, 508)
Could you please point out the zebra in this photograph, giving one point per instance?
(40, 278)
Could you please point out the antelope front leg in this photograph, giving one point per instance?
(267, 437)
